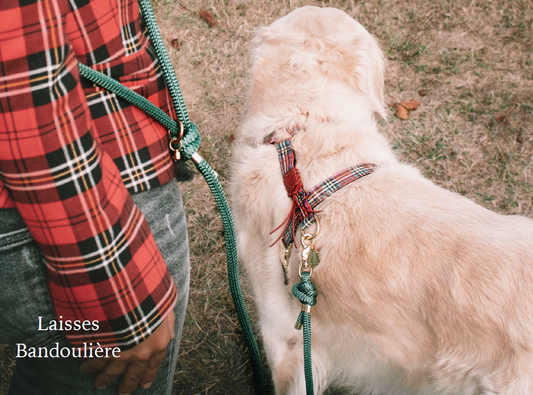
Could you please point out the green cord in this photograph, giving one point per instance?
(130, 96)
(233, 272)
(191, 139)
(306, 293)
(190, 144)
(305, 320)
(164, 61)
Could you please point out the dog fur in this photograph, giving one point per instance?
(421, 291)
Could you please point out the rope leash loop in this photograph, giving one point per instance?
(190, 144)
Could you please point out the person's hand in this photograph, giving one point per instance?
(137, 366)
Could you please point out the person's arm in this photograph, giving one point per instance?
(102, 262)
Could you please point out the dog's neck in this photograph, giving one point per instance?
(317, 141)
(336, 122)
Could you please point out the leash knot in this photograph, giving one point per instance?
(292, 181)
(300, 208)
(305, 291)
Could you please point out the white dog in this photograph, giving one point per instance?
(420, 290)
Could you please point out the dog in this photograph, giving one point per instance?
(420, 290)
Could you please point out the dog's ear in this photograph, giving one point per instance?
(377, 80)
(369, 70)
(260, 39)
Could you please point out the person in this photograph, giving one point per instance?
(93, 242)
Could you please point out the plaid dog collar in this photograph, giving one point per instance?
(304, 203)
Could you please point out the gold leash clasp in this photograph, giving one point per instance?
(309, 254)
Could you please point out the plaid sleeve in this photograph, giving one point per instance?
(101, 259)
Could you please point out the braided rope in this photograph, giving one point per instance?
(164, 61)
(218, 193)
(190, 144)
(233, 273)
(190, 141)
(306, 293)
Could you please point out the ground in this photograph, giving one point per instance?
(468, 63)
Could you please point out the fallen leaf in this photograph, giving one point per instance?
(208, 17)
(422, 92)
(519, 137)
(176, 44)
(401, 112)
(410, 105)
(507, 118)
(500, 118)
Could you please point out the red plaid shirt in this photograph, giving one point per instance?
(70, 152)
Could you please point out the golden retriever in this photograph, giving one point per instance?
(420, 290)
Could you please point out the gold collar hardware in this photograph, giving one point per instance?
(310, 257)
(285, 256)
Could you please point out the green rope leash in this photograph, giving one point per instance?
(164, 61)
(306, 293)
(233, 273)
(190, 144)
(191, 139)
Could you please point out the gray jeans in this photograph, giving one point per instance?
(24, 297)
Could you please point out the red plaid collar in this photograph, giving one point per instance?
(304, 202)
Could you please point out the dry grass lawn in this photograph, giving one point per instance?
(469, 64)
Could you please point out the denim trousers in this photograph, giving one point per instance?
(24, 297)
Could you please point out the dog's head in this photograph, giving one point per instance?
(313, 42)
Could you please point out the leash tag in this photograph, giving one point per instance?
(314, 259)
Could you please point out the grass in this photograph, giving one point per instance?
(472, 133)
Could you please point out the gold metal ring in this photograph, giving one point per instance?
(307, 237)
(172, 141)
